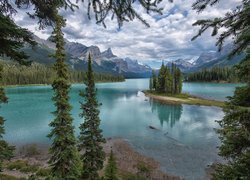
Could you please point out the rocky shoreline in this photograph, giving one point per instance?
(130, 163)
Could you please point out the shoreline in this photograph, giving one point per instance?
(27, 85)
(183, 99)
(130, 163)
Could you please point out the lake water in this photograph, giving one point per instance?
(185, 142)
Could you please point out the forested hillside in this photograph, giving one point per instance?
(15, 74)
(215, 74)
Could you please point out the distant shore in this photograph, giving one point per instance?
(183, 99)
(24, 85)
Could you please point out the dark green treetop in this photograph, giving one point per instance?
(91, 139)
(65, 159)
(235, 24)
(12, 38)
(235, 127)
(6, 151)
(111, 168)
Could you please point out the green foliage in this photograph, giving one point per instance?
(29, 150)
(154, 79)
(160, 87)
(22, 166)
(169, 80)
(12, 38)
(235, 24)
(216, 74)
(130, 176)
(143, 170)
(111, 168)
(91, 138)
(64, 160)
(8, 177)
(234, 134)
(123, 11)
(15, 74)
(43, 172)
(6, 151)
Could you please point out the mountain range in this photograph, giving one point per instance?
(208, 60)
(107, 62)
(77, 54)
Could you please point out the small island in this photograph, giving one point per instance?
(167, 88)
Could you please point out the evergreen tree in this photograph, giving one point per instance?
(216, 74)
(178, 80)
(150, 83)
(161, 79)
(235, 127)
(168, 82)
(64, 160)
(235, 134)
(6, 151)
(154, 80)
(111, 168)
(91, 138)
(12, 39)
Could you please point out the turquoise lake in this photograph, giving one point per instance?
(185, 142)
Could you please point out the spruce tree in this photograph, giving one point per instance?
(64, 160)
(150, 83)
(235, 133)
(235, 127)
(111, 168)
(91, 139)
(161, 79)
(168, 81)
(6, 151)
(154, 80)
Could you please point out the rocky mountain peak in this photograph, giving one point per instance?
(108, 53)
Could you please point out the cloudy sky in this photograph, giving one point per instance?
(169, 35)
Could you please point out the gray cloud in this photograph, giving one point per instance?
(168, 37)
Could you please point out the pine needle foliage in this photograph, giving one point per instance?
(122, 11)
(6, 151)
(169, 80)
(65, 159)
(12, 39)
(111, 168)
(91, 139)
(235, 126)
(235, 24)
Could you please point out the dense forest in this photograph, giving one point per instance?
(169, 80)
(16, 74)
(215, 74)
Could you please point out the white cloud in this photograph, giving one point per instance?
(168, 37)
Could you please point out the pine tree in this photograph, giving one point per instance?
(12, 39)
(178, 80)
(150, 83)
(6, 151)
(168, 81)
(154, 80)
(91, 138)
(161, 79)
(235, 127)
(64, 160)
(235, 133)
(111, 168)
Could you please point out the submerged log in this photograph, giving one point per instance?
(152, 127)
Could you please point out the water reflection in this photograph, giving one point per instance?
(168, 114)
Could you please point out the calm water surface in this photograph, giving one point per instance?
(184, 144)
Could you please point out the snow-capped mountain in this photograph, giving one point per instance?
(77, 55)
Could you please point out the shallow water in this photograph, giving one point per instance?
(184, 142)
